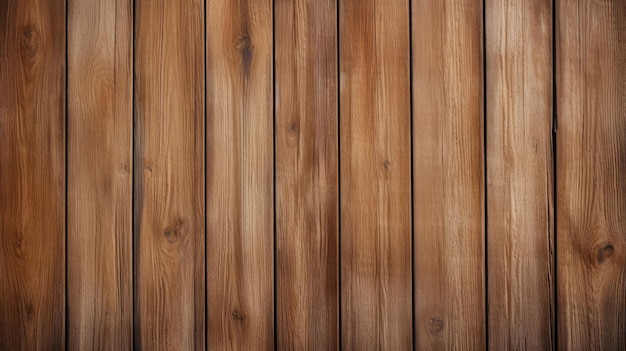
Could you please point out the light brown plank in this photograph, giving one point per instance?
(240, 184)
(307, 174)
(99, 174)
(448, 174)
(591, 188)
(32, 174)
(169, 175)
(375, 175)
(519, 174)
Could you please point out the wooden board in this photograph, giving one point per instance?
(307, 174)
(519, 174)
(32, 174)
(169, 175)
(375, 144)
(448, 174)
(240, 190)
(591, 188)
(99, 205)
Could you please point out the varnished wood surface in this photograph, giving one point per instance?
(307, 233)
(32, 174)
(520, 174)
(99, 211)
(448, 179)
(591, 188)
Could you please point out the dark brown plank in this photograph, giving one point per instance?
(240, 184)
(169, 175)
(519, 174)
(375, 175)
(32, 174)
(448, 174)
(307, 174)
(591, 163)
(99, 174)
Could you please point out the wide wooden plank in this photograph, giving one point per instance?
(240, 179)
(591, 188)
(519, 174)
(448, 174)
(99, 205)
(307, 174)
(375, 144)
(32, 174)
(169, 223)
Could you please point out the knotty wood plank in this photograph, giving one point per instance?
(169, 175)
(591, 188)
(519, 174)
(240, 184)
(99, 174)
(307, 174)
(448, 174)
(375, 175)
(32, 174)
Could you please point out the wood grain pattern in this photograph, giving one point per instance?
(375, 175)
(32, 174)
(240, 184)
(307, 174)
(448, 174)
(519, 174)
(591, 161)
(169, 223)
(99, 252)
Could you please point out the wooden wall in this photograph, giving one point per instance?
(312, 174)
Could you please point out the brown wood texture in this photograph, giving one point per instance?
(375, 180)
(519, 174)
(240, 176)
(99, 205)
(591, 161)
(307, 174)
(169, 208)
(449, 225)
(32, 174)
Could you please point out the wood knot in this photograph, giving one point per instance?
(30, 309)
(173, 232)
(386, 165)
(436, 325)
(605, 252)
(30, 41)
(294, 127)
(237, 316)
(246, 50)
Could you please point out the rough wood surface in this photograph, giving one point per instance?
(448, 175)
(99, 251)
(307, 174)
(591, 163)
(32, 174)
(240, 179)
(169, 223)
(375, 175)
(519, 174)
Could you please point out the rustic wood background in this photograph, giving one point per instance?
(312, 174)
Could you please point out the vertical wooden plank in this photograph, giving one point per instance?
(448, 174)
(375, 175)
(32, 174)
(240, 180)
(519, 173)
(591, 162)
(169, 175)
(307, 174)
(99, 174)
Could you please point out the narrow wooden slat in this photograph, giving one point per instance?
(591, 163)
(169, 175)
(99, 174)
(519, 174)
(448, 174)
(32, 174)
(375, 175)
(240, 190)
(307, 174)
